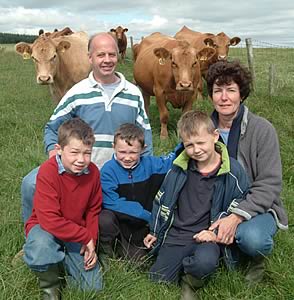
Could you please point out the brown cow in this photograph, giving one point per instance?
(60, 62)
(220, 42)
(170, 70)
(121, 40)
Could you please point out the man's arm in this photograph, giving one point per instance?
(143, 121)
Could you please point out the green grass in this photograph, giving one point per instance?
(25, 107)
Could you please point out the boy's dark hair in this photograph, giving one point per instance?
(224, 72)
(129, 132)
(75, 128)
(191, 122)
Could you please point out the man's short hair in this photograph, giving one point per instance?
(129, 133)
(101, 34)
(75, 128)
(224, 72)
(192, 121)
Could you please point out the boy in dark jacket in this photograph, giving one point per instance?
(129, 184)
(203, 185)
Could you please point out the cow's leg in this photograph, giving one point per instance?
(163, 115)
(189, 103)
(199, 93)
(146, 102)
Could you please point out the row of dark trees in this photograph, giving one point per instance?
(13, 38)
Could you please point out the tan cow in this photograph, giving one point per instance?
(60, 62)
(169, 70)
(121, 40)
(220, 42)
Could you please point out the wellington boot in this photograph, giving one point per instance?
(50, 283)
(189, 285)
(105, 251)
(255, 272)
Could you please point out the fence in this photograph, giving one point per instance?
(271, 66)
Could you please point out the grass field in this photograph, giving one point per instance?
(25, 107)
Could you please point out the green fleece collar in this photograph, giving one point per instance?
(183, 159)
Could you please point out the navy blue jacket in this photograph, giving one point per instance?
(230, 188)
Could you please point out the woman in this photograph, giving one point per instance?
(253, 141)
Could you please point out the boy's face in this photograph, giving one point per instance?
(127, 155)
(75, 156)
(201, 147)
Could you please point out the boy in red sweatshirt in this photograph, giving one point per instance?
(63, 228)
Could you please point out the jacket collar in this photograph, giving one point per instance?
(95, 84)
(182, 160)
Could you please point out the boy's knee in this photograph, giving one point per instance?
(108, 225)
(200, 267)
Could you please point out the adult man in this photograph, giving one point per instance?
(104, 100)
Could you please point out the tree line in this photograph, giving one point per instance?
(13, 38)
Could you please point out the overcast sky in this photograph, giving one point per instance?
(262, 20)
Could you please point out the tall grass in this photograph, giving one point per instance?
(25, 107)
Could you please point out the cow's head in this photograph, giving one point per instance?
(185, 63)
(221, 43)
(119, 32)
(45, 54)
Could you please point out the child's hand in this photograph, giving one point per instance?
(149, 240)
(205, 236)
(90, 256)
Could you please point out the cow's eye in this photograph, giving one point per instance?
(174, 65)
(195, 63)
(53, 58)
(34, 59)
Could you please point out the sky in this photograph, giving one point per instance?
(270, 21)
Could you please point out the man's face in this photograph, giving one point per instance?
(127, 155)
(201, 147)
(103, 58)
(75, 156)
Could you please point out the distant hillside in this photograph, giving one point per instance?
(13, 38)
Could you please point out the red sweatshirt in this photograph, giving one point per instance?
(66, 205)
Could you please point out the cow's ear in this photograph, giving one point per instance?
(206, 54)
(235, 41)
(112, 30)
(209, 42)
(24, 49)
(161, 53)
(126, 29)
(63, 46)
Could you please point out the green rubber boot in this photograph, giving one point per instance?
(255, 272)
(189, 285)
(105, 251)
(49, 282)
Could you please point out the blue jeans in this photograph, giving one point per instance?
(196, 259)
(255, 237)
(43, 249)
(28, 187)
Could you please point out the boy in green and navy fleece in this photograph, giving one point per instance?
(203, 185)
(129, 183)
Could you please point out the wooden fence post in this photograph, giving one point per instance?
(132, 42)
(272, 75)
(251, 61)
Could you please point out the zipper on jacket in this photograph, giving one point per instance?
(130, 177)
